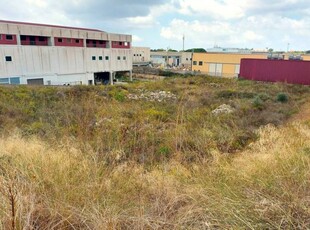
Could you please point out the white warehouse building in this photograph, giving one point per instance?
(58, 55)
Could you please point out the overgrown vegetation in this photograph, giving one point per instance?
(96, 158)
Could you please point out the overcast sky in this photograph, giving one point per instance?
(277, 24)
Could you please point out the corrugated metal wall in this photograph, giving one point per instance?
(295, 72)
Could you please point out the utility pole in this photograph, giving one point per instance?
(183, 41)
(288, 47)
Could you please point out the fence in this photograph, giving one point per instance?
(290, 71)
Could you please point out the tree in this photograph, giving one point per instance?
(196, 50)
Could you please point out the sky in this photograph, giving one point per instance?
(258, 24)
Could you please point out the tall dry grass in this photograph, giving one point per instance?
(267, 186)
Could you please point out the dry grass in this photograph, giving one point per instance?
(91, 158)
(266, 186)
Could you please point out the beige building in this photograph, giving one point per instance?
(177, 59)
(141, 55)
(221, 64)
(59, 55)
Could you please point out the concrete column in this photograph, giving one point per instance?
(130, 75)
(111, 78)
(18, 39)
(51, 41)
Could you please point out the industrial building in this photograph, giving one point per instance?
(227, 64)
(221, 64)
(59, 55)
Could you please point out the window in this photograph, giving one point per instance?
(59, 39)
(200, 63)
(100, 58)
(106, 58)
(0, 36)
(4, 81)
(23, 38)
(124, 58)
(93, 58)
(41, 39)
(77, 41)
(194, 62)
(100, 42)
(8, 58)
(87, 41)
(118, 57)
(120, 43)
(68, 40)
(9, 37)
(186, 59)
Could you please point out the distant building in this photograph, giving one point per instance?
(59, 55)
(168, 58)
(228, 50)
(141, 55)
(221, 64)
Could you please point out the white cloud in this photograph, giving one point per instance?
(136, 38)
(254, 31)
(224, 9)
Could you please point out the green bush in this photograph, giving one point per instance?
(258, 103)
(282, 97)
(263, 96)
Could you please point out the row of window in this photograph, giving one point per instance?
(199, 63)
(138, 55)
(100, 58)
(9, 39)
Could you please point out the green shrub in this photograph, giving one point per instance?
(258, 103)
(282, 97)
(263, 96)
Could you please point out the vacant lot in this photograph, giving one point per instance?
(191, 153)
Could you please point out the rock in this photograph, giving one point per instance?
(223, 109)
(158, 96)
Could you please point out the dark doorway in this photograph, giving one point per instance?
(38, 81)
(102, 78)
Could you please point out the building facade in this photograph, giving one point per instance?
(172, 59)
(221, 64)
(58, 55)
(141, 55)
